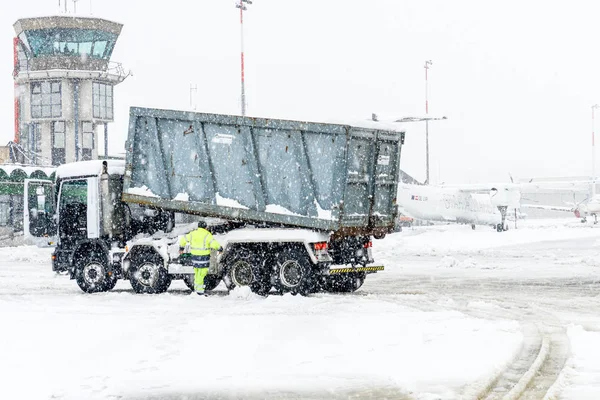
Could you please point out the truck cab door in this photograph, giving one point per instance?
(38, 209)
(78, 210)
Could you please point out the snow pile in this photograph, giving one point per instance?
(469, 262)
(277, 209)
(141, 191)
(182, 197)
(222, 201)
(27, 254)
(451, 262)
(243, 293)
(446, 239)
(593, 261)
(323, 214)
(448, 262)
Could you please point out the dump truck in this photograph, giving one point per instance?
(294, 204)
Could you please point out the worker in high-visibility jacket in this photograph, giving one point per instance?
(200, 242)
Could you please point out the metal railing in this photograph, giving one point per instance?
(108, 67)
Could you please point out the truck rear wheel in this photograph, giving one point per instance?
(148, 274)
(247, 269)
(92, 275)
(344, 283)
(239, 272)
(294, 273)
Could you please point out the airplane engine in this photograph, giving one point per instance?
(505, 198)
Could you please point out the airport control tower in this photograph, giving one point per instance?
(64, 87)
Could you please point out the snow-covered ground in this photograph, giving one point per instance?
(456, 314)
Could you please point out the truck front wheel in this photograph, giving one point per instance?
(210, 281)
(148, 275)
(92, 275)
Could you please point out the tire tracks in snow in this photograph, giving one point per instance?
(545, 349)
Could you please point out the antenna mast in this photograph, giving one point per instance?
(428, 64)
(594, 107)
(193, 92)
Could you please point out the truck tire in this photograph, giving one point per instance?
(240, 270)
(210, 282)
(110, 284)
(188, 279)
(92, 275)
(344, 283)
(148, 274)
(293, 273)
(247, 269)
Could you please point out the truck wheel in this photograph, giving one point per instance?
(92, 276)
(247, 269)
(240, 270)
(210, 281)
(110, 283)
(294, 273)
(149, 275)
(344, 283)
(188, 279)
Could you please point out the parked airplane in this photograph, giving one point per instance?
(590, 206)
(467, 205)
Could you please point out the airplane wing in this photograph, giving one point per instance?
(544, 207)
(416, 118)
(419, 119)
(574, 186)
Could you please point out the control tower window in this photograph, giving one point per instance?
(102, 101)
(46, 99)
(22, 58)
(32, 142)
(71, 42)
(58, 142)
(87, 142)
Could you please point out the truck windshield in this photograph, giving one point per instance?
(73, 210)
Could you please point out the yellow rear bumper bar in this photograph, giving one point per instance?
(374, 268)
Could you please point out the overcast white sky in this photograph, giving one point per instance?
(516, 79)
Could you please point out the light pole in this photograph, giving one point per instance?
(243, 8)
(428, 63)
(594, 107)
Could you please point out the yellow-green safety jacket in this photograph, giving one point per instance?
(201, 242)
